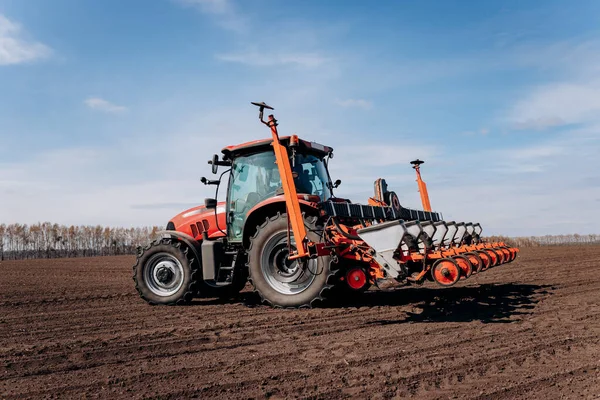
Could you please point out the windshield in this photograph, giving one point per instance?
(312, 176)
(255, 178)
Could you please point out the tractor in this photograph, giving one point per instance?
(283, 230)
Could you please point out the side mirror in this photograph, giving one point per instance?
(337, 183)
(209, 182)
(215, 163)
(210, 203)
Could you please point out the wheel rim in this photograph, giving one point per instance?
(164, 274)
(356, 278)
(445, 272)
(286, 276)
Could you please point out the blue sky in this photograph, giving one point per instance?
(109, 109)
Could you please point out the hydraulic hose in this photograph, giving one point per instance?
(343, 232)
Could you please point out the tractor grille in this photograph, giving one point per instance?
(360, 211)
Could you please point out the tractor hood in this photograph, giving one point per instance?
(199, 219)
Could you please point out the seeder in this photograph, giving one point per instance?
(282, 229)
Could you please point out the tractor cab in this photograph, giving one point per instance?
(255, 180)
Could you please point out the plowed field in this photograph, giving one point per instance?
(73, 328)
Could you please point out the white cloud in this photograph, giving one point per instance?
(381, 155)
(210, 6)
(557, 104)
(358, 103)
(290, 43)
(482, 132)
(137, 180)
(14, 49)
(225, 14)
(257, 59)
(99, 104)
(545, 188)
(538, 158)
(536, 152)
(573, 97)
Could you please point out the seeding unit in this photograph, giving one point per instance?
(282, 229)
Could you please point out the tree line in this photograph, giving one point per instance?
(547, 240)
(48, 240)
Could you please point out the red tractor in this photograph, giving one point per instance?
(282, 229)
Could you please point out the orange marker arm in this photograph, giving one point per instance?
(289, 191)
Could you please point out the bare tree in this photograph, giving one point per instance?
(49, 240)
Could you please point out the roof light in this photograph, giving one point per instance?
(293, 140)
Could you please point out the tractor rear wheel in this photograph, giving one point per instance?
(282, 282)
(165, 274)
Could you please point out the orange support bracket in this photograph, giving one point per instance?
(422, 186)
(289, 187)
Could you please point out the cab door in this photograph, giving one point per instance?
(253, 178)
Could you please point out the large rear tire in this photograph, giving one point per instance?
(165, 274)
(279, 281)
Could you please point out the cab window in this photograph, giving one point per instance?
(253, 178)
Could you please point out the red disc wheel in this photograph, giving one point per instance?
(356, 278)
(466, 268)
(498, 254)
(475, 260)
(501, 256)
(493, 257)
(507, 254)
(511, 254)
(445, 272)
(485, 257)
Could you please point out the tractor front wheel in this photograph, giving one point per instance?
(164, 274)
(277, 279)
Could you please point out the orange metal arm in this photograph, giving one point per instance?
(289, 191)
(422, 186)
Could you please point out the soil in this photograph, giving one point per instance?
(75, 328)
